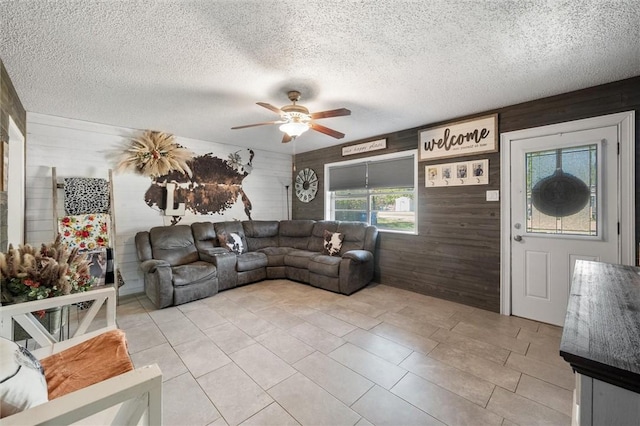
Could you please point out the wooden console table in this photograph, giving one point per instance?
(601, 341)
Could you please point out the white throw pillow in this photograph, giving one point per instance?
(232, 241)
(235, 243)
(22, 382)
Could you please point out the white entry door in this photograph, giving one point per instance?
(564, 207)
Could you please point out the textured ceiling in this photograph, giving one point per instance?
(196, 68)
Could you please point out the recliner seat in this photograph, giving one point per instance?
(173, 270)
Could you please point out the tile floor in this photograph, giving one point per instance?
(283, 353)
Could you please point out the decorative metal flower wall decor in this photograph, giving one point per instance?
(155, 154)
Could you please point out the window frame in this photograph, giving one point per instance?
(329, 198)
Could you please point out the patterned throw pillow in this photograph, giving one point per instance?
(232, 241)
(22, 382)
(332, 243)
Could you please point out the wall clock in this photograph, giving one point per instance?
(306, 185)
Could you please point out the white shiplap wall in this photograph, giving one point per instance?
(83, 149)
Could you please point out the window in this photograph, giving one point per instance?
(379, 190)
(562, 191)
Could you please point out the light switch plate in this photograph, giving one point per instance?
(493, 195)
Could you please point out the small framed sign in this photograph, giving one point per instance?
(364, 147)
(470, 137)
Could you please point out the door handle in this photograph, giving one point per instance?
(517, 238)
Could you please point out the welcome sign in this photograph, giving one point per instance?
(469, 137)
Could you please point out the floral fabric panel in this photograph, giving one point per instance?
(87, 232)
(86, 195)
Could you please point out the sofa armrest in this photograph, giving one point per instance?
(356, 270)
(226, 264)
(358, 256)
(151, 266)
(208, 254)
(370, 239)
(158, 282)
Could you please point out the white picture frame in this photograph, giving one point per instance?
(474, 172)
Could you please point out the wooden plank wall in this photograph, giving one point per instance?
(456, 255)
(10, 105)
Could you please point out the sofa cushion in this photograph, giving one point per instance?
(173, 244)
(299, 258)
(323, 264)
(261, 233)
(354, 235)
(295, 233)
(250, 261)
(316, 241)
(193, 272)
(204, 235)
(143, 246)
(275, 255)
(332, 243)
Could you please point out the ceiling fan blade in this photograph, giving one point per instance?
(327, 131)
(286, 138)
(257, 124)
(331, 113)
(270, 107)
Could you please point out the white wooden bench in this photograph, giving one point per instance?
(131, 398)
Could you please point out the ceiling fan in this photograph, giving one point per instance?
(296, 119)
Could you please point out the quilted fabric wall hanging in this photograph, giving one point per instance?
(87, 232)
(86, 195)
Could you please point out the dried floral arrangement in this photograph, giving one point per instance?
(155, 154)
(27, 273)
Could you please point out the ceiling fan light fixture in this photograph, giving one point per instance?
(294, 128)
(296, 119)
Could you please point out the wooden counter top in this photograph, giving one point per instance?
(601, 336)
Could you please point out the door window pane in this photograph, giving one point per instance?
(562, 191)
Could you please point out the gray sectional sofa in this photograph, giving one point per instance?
(184, 263)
